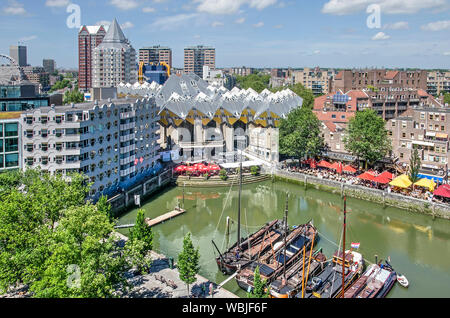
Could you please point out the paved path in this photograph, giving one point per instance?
(158, 283)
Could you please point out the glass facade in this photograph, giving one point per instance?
(11, 99)
(9, 145)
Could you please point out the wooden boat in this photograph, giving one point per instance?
(329, 282)
(287, 287)
(376, 282)
(240, 255)
(280, 259)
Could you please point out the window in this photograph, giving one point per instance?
(11, 130)
(11, 145)
(11, 160)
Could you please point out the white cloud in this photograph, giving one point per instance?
(57, 3)
(127, 25)
(397, 26)
(231, 6)
(380, 36)
(124, 4)
(259, 25)
(447, 53)
(173, 22)
(148, 10)
(343, 7)
(28, 38)
(14, 8)
(216, 24)
(437, 26)
(240, 20)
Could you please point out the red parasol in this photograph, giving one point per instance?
(324, 164)
(180, 168)
(367, 176)
(313, 164)
(443, 191)
(382, 179)
(214, 168)
(349, 169)
(337, 166)
(191, 169)
(388, 175)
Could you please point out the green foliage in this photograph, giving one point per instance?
(260, 289)
(223, 175)
(58, 245)
(367, 137)
(254, 170)
(74, 96)
(300, 134)
(414, 166)
(61, 84)
(188, 262)
(141, 231)
(257, 82)
(104, 207)
(447, 98)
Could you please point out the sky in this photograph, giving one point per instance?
(252, 33)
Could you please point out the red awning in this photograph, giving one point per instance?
(337, 166)
(191, 169)
(349, 169)
(180, 168)
(313, 164)
(443, 191)
(367, 176)
(382, 179)
(324, 164)
(214, 168)
(388, 175)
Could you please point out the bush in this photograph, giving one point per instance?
(254, 170)
(223, 175)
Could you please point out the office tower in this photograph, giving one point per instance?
(49, 65)
(156, 55)
(19, 54)
(114, 60)
(196, 57)
(89, 37)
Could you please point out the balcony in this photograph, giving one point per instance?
(205, 144)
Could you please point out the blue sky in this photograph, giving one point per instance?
(256, 33)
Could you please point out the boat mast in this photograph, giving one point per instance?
(285, 234)
(343, 248)
(239, 203)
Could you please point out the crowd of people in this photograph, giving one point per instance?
(352, 179)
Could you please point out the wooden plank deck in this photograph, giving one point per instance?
(165, 217)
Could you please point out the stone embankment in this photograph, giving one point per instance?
(359, 192)
(216, 181)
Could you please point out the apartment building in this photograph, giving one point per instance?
(425, 129)
(89, 37)
(195, 57)
(317, 80)
(49, 65)
(156, 55)
(438, 83)
(114, 142)
(114, 60)
(241, 71)
(10, 141)
(347, 80)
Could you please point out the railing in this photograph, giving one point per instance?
(205, 144)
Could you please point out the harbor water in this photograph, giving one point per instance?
(417, 245)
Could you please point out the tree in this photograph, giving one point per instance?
(258, 82)
(254, 170)
(141, 243)
(260, 289)
(223, 174)
(73, 96)
(300, 134)
(188, 262)
(414, 166)
(367, 137)
(447, 98)
(104, 207)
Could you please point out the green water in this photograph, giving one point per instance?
(419, 247)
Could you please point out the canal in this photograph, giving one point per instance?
(418, 246)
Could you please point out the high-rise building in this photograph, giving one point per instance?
(438, 83)
(89, 37)
(317, 80)
(49, 65)
(156, 55)
(19, 54)
(114, 60)
(196, 57)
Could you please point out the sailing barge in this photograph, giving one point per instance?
(282, 257)
(376, 282)
(240, 255)
(287, 286)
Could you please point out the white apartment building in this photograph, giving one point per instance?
(114, 60)
(114, 142)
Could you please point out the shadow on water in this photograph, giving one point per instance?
(417, 245)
